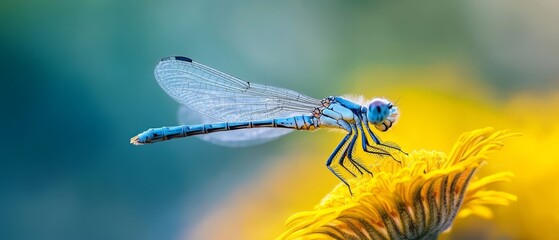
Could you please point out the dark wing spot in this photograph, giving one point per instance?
(377, 109)
(178, 58)
(183, 59)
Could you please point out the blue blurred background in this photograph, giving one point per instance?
(77, 82)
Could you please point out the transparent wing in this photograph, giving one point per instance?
(224, 97)
(237, 138)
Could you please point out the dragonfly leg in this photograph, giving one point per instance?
(365, 145)
(349, 150)
(344, 154)
(377, 140)
(380, 151)
(333, 155)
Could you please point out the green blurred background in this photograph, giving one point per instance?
(77, 82)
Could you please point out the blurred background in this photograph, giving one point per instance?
(77, 82)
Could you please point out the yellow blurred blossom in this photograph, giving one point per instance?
(417, 199)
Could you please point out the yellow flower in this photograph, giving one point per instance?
(418, 199)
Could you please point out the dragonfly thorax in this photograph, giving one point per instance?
(382, 114)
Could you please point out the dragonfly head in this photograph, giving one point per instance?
(382, 114)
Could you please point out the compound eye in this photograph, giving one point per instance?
(378, 111)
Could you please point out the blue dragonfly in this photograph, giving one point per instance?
(257, 113)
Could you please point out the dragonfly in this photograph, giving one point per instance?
(231, 111)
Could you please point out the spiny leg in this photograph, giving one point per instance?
(365, 144)
(343, 157)
(349, 151)
(352, 132)
(380, 151)
(329, 161)
(378, 142)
